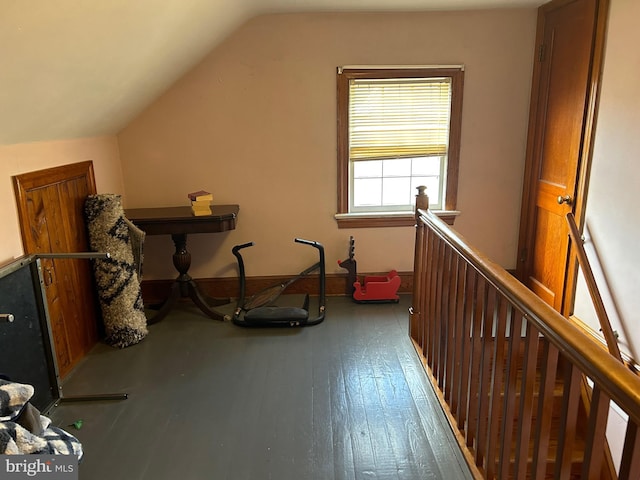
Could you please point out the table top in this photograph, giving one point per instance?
(180, 220)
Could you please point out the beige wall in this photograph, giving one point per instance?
(22, 158)
(255, 124)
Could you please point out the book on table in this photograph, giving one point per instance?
(206, 207)
(200, 212)
(201, 204)
(203, 209)
(200, 196)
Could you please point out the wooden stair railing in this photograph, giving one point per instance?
(508, 368)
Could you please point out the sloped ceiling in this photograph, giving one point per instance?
(83, 68)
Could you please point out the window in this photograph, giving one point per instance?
(398, 128)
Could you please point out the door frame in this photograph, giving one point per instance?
(532, 164)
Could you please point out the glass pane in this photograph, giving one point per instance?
(364, 169)
(396, 191)
(398, 167)
(426, 166)
(367, 192)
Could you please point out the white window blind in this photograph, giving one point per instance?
(398, 118)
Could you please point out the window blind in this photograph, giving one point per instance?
(398, 118)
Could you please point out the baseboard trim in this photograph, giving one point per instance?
(155, 291)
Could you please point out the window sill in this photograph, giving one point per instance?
(376, 220)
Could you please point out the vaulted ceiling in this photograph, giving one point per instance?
(82, 68)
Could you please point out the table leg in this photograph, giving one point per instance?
(182, 261)
(199, 300)
(184, 286)
(167, 305)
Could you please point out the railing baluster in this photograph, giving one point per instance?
(432, 305)
(416, 323)
(451, 327)
(460, 334)
(487, 361)
(572, 382)
(596, 435)
(513, 367)
(421, 255)
(525, 412)
(445, 324)
(426, 301)
(549, 368)
(630, 464)
(469, 305)
(438, 318)
(497, 388)
(476, 357)
(425, 295)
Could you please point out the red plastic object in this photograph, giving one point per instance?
(378, 289)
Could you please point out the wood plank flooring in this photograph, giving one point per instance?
(343, 400)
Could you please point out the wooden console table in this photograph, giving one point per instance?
(179, 222)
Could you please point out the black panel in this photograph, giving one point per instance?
(25, 348)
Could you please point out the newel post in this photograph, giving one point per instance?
(416, 323)
(422, 200)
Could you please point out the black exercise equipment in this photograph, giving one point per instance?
(259, 310)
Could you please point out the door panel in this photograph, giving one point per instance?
(550, 236)
(42, 242)
(562, 95)
(50, 206)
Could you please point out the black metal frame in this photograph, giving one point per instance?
(281, 316)
(13, 321)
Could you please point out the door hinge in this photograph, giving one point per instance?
(541, 52)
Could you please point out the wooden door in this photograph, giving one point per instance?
(566, 74)
(50, 208)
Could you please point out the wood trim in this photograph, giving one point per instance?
(584, 170)
(531, 165)
(455, 136)
(375, 221)
(156, 291)
(343, 142)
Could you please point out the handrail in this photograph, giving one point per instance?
(598, 304)
(510, 371)
(621, 384)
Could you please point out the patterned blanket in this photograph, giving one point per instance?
(23, 430)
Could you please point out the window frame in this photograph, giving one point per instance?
(346, 219)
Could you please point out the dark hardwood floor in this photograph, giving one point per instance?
(346, 399)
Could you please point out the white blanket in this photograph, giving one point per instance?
(40, 437)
